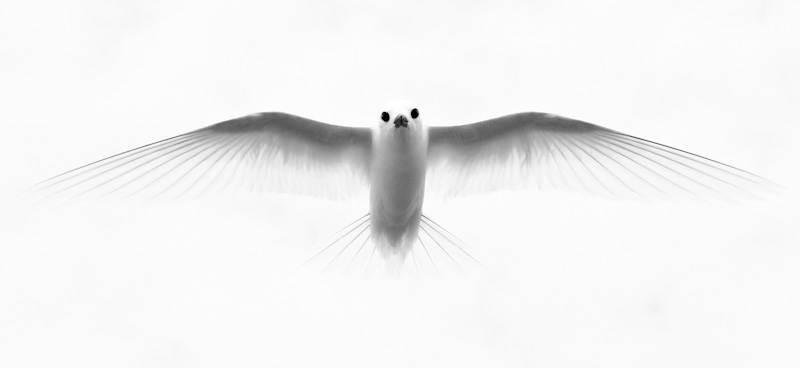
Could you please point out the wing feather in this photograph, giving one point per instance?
(266, 152)
(548, 151)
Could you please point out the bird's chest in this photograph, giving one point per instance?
(398, 179)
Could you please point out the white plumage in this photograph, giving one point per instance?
(400, 160)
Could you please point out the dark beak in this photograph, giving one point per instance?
(400, 121)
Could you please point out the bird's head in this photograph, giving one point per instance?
(400, 115)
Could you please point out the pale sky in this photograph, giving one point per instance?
(570, 280)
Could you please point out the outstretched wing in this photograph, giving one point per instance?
(548, 151)
(266, 152)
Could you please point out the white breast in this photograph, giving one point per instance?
(397, 190)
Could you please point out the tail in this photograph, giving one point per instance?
(337, 250)
(438, 250)
(351, 250)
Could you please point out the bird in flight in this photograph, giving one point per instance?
(400, 160)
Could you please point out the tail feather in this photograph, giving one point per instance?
(449, 238)
(445, 251)
(435, 252)
(338, 236)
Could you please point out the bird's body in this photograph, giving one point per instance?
(398, 160)
(397, 187)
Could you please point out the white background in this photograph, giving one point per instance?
(570, 280)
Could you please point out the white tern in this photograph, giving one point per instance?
(400, 160)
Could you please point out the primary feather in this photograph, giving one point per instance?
(266, 152)
(548, 151)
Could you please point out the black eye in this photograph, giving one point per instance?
(414, 113)
(385, 116)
